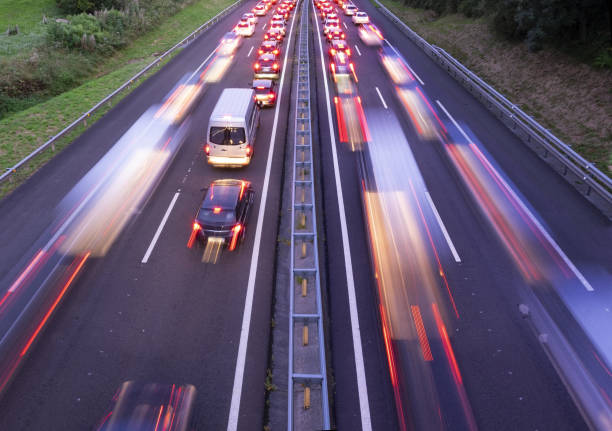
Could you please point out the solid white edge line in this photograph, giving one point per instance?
(250, 51)
(158, 232)
(364, 405)
(535, 221)
(381, 98)
(407, 65)
(443, 228)
(358, 52)
(232, 422)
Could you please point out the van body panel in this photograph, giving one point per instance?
(232, 128)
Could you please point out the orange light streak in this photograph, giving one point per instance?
(448, 349)
(435, 250)
(420, 327)
(57, 300)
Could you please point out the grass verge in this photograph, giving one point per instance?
(24, 131)
(573, 100)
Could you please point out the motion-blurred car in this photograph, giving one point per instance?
(228, 44)
(278, 17)
(245, 28)
(267, 66)
(150, 407)
(395, 66)
(350, 9)
(265, 93)
(250, 16)
(339, 45)
(223, 213)
(273, 34)
(360, 18)
(269, 46)
(371, 35)
(335, 34)
(340, 65)
(260, 10)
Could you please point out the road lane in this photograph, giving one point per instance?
(173, 318)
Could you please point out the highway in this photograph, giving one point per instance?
(150, 310)
(501, 363)
(172, 319)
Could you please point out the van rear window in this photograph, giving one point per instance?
(227, 135)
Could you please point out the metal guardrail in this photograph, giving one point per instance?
(592, 183)
(83, 118)
(308, 404)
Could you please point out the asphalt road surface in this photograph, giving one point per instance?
(175, 319)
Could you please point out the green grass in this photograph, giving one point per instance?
(25, 13)
(24, 131)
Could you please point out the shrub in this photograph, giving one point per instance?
(471, 8)
(87, 6)
(604, 59)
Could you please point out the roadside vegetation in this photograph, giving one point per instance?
(560, 72)
(23, 131)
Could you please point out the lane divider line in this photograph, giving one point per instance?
(533, 219)
(357, 49)
(232, 422)
(250, 51)
(364, 404)
(158, 232)
(381, 98)
(411, 70)
(449, 241)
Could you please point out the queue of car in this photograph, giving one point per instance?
(222, 215)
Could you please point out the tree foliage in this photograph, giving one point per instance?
(537, 21)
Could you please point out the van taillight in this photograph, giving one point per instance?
(248, 150)
(207, 149)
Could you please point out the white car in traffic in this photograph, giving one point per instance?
(361, 18)
(245, 28)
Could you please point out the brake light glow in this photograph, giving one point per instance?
(216, 210)
(275, 52)
(235, 232)
(260, 51)
(194, 234)
(248, 150)
(275, 66)
(332, 51)
(348, 51)
(260, 87)
(207, 149)
(271, 96)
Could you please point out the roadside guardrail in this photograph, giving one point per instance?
(50, 144)
(308, 403)
(592, 183)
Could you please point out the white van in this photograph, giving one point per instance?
(232, 128)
